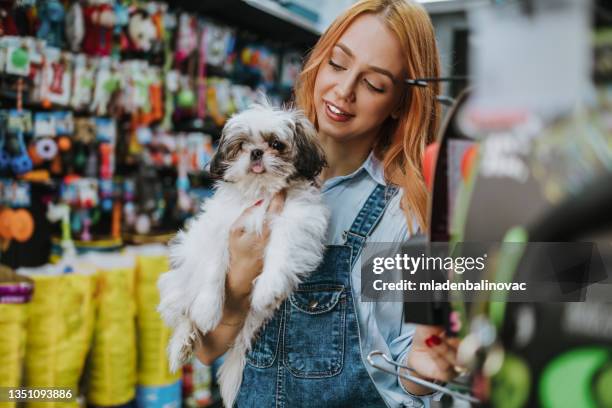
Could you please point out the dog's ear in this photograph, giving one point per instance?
(230, 144)
(310, 158)
(218, 163)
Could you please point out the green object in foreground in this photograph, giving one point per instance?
(603, 387)
(511, 253)
(567, 381)
(510, 386)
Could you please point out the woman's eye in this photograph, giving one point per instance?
(373, 88)
(276, 145)
(335, 66)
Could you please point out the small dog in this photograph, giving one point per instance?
(261, 152)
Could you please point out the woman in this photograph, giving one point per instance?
(373, 129)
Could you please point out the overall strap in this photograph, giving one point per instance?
(367, 219)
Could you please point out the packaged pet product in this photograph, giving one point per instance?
(13, 324)
(152, 333)
(112, 370)
(163, 396)
(15, 292)
(60, 327)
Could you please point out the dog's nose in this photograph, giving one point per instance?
(256, 154)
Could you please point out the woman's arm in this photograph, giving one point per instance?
(433, 356)
(246, 263)
(237, 292)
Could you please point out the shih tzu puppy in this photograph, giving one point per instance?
(262, 151)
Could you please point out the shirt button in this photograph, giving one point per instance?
(313, 304)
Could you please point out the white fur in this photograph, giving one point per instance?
(192, 293)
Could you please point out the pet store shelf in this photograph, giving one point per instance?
(451, 6)
(264, 17)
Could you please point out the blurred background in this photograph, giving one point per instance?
(110, 110)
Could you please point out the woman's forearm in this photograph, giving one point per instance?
(213, 344)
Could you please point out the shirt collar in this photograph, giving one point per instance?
(372, 166)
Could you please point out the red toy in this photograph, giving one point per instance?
(99, 23)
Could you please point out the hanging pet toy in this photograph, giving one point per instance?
(5, 158)
(52, 16)
(21, 163)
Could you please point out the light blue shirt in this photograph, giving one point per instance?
(381, 324)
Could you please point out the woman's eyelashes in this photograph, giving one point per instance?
(337, 67)
(372, 87)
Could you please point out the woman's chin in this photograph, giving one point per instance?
(334, 131)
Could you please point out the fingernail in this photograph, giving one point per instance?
(258, 202)
(433, 341)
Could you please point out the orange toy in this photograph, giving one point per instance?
(64, 143)
(36, 159)
(6, 216)
(22, 225)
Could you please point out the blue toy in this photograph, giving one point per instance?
(52, 16)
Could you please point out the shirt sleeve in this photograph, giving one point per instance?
(399, 351)
(400, 346)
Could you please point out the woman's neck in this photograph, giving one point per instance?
(343, 157)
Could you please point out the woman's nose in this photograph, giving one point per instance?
(345, 89)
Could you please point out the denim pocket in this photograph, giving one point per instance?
(265, 345)
(314, 333)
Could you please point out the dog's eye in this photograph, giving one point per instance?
(276, 145)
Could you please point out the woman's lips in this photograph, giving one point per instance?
(336, 114)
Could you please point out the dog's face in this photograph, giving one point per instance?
(266, 146)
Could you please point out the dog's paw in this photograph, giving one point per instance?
(263, 297)
(180, 347)
(206, 311)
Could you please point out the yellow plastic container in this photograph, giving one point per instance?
(60, 327)
(13, 321)
(111, 372)
(153, 335)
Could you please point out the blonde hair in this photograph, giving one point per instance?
(402, 141)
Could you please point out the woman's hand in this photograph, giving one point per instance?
(433, 356)
(246, 253)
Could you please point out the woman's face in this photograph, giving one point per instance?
(359, 85)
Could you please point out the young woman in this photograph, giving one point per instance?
(373, 129)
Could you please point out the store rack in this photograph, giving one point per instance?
(264, 17)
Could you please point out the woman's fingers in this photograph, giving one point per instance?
(275, 207)
(441, 347)
(238, 225)
(446, 371)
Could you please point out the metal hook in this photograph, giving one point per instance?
(416, 380)
(446, 100)
(423, 82)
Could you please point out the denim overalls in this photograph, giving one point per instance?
(308, 354)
